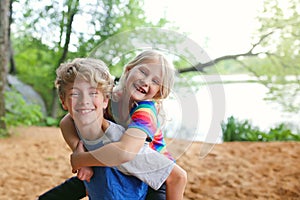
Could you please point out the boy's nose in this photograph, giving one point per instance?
(85, 99)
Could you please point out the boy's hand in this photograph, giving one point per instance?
(85, 173)
(79, 149)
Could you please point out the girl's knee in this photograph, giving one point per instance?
(182, 175)
(177, 176)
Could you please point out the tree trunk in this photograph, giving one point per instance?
(4, 53)
(12, 69)
(72, 11)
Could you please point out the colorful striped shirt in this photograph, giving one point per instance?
(144, 116)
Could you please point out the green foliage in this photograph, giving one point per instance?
(49, 121)
(39, 34)
(18, 112)
(3, 133)
(281, 18)
(227, 67)
(282, 133)
(235, 130)
(35, 66)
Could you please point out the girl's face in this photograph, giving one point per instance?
(84, 102)
(144, 81)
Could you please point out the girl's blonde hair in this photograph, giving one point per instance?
(168, 72)
(91, 70)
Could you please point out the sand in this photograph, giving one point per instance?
(35, 159)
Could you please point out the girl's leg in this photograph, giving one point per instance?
(176, 183)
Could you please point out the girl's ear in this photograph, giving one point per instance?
(158, 95)
(128, 68)
(105, 102)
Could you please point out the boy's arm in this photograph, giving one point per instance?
(112, 154)
(69, 133)
(68, 130)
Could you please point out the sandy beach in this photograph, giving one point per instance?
(35, 159)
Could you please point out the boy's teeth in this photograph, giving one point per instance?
(85, 111)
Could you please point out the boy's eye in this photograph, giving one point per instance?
(143, 71)
(74, 94)
(94, 93)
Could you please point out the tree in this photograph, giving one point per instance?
(47, 31)
(49, 35)
(278, 68)
(4, 49)
(282, 19)
(65, 24)
(275, 54)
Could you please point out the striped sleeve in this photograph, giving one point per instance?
(144, 117)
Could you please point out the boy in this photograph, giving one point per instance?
(84, 86)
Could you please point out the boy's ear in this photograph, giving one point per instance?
(63, 103)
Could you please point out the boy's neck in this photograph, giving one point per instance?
(94, 131)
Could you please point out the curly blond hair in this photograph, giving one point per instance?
(92, 70)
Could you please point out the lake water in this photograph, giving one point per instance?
(197, 116)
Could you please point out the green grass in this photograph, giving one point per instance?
(236, 130)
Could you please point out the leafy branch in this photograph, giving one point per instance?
(200, 66)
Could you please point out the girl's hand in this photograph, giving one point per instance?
(85, 173)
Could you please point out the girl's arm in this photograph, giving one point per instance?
(112, 154)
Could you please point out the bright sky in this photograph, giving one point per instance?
(219, 27)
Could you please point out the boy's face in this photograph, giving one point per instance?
(84, 102)
(144, 81)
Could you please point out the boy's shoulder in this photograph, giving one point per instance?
(113, 127)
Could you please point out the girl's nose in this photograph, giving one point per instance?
(145, 81)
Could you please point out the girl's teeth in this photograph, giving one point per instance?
(140, 90)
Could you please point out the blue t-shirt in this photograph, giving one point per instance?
(108, 183)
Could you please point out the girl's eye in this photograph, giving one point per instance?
(157, 82)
